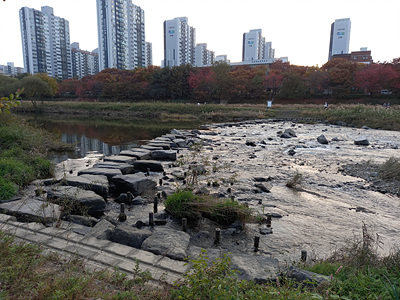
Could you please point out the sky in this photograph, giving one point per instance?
(298, 29)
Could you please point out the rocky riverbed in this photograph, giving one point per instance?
(333, 189)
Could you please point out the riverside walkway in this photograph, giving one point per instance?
(97, 254)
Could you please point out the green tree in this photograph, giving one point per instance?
(53, 84)
(35, 88)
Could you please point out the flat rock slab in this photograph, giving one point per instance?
(140, 154)
(95, 183)
(123, 167)
(168, 242)
(32, 210)
(120, 159)
(143, 165)
(86, 200)
(255, 268)
(361, 140)
(134, 183)
(164, 145)
(164, 155)
(130, 236)
(102, 230)
(109, 173)
(151, 148)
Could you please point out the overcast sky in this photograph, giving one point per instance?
(298, 29)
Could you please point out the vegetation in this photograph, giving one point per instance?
(23, 151)
(390, 170)
(183, 204)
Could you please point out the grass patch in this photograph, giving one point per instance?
(183, 204)
(390, 170)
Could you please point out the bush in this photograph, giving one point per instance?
(7, 189)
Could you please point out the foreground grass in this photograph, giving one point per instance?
(23, 151)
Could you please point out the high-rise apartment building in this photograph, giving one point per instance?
(149, 54)
(84, 63)
(340, 37)
(45, 42)
(179, 43)
(268, 51)
(11, 70)
(203, 56)
(253, 45)
(121, 34)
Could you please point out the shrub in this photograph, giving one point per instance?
(390, 170)
(7, 189)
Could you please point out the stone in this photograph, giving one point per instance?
(361, 140)
(138, 201)
(143, 165)
(322, 139)
(164, 155)
(335, 139)
(265, 230)
(138, 153)
(122, 198)
(134, 183)
(181, 143)
(307, 277)
(81, 220)
(285, 136)
(95, 183)
(109, 173)
(102, 230)
(264, 187)
(32, 210)
(130, 236)
(168, 242)
(291, 152)
(259, 269)
(123, 167)
(251, 143)
(290, 132)
(120, 159)
(151, 148)
(82, 200)
(164, 145)
(274, 215)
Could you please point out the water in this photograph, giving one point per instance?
(105, 136)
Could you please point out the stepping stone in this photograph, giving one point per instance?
(140, 154)
(134, 183)
(109, 173)
(32, 210)
(125, 168)
(120, 159)
(95, 183)
(143, 165)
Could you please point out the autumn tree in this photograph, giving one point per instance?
(376, 77)
(201, 81)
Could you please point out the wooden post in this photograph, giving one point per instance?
(155, 204)
(151, 219)
(160, 181)
(256, 243)
(217, 236)
(122, 216)
(303, 255)
(148, 172)
(269, 221)
(184, 224)
(130, 197)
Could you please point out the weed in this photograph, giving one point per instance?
(295, 181)
(390, 170)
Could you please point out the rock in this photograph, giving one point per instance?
(274, 215)
(102, 230)
(237, 225)
(181, 143)
(164, 145)
(291, 152)
(123, 167)
(362, 141)
(265, 230)
(264, 187)
(140, 224)
(261, 179)
(290, 132)
(138, 201)
(130, 236)
(32, 210)
(163, 155)
(143, 165)
(254, 268)
(335, 139)
(95, 183)
(365, 127)
(285, 136)
(168, 242)
(251, 143)
(134, 183)
(109, 173)
(138, 153)
(151, 148)
(81, 220)
(322, 139)
(122, 198)
(120, 159)
(82, 200)
(304, 276)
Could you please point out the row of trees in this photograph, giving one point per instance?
(337, 78)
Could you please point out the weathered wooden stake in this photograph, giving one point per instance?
(269, 221)
(148, 172)
(159, 195)
(184, 224)
(164, 194)
(130, 197)
(229, 190)
(164, 173)
(151, 219)
(217, 236)
(155, 204)
(303, 255)
(256, 243)
(122, 216)
(260, 201)
(184, 181)
(160, 181)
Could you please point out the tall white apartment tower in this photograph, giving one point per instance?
(149, 54)
(121, 34)
(45, 42)
(268, 51)
(340, 37)
(203, 56)
(179, 43)
(253, 45)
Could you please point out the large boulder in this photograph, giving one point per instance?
(168, 242)
(102, 230)
(163, 155)
(130, 236)
(109, 173)
(120, 159)
(304, 276)
(123, 167)
(95, 183)
(254, 267)
(77, 200)
(322, 139)
(361, 140)
(32, 210)
(152, 165)
(138, 153)
(134, 183)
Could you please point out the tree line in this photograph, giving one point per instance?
(338, 78)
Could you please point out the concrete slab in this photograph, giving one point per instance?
(144, 256)
(32, 210)
(82, 250)
(118, 249)
(92, 241)
(107, 259)
(173, 265)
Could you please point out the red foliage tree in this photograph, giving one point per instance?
(376, 77)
